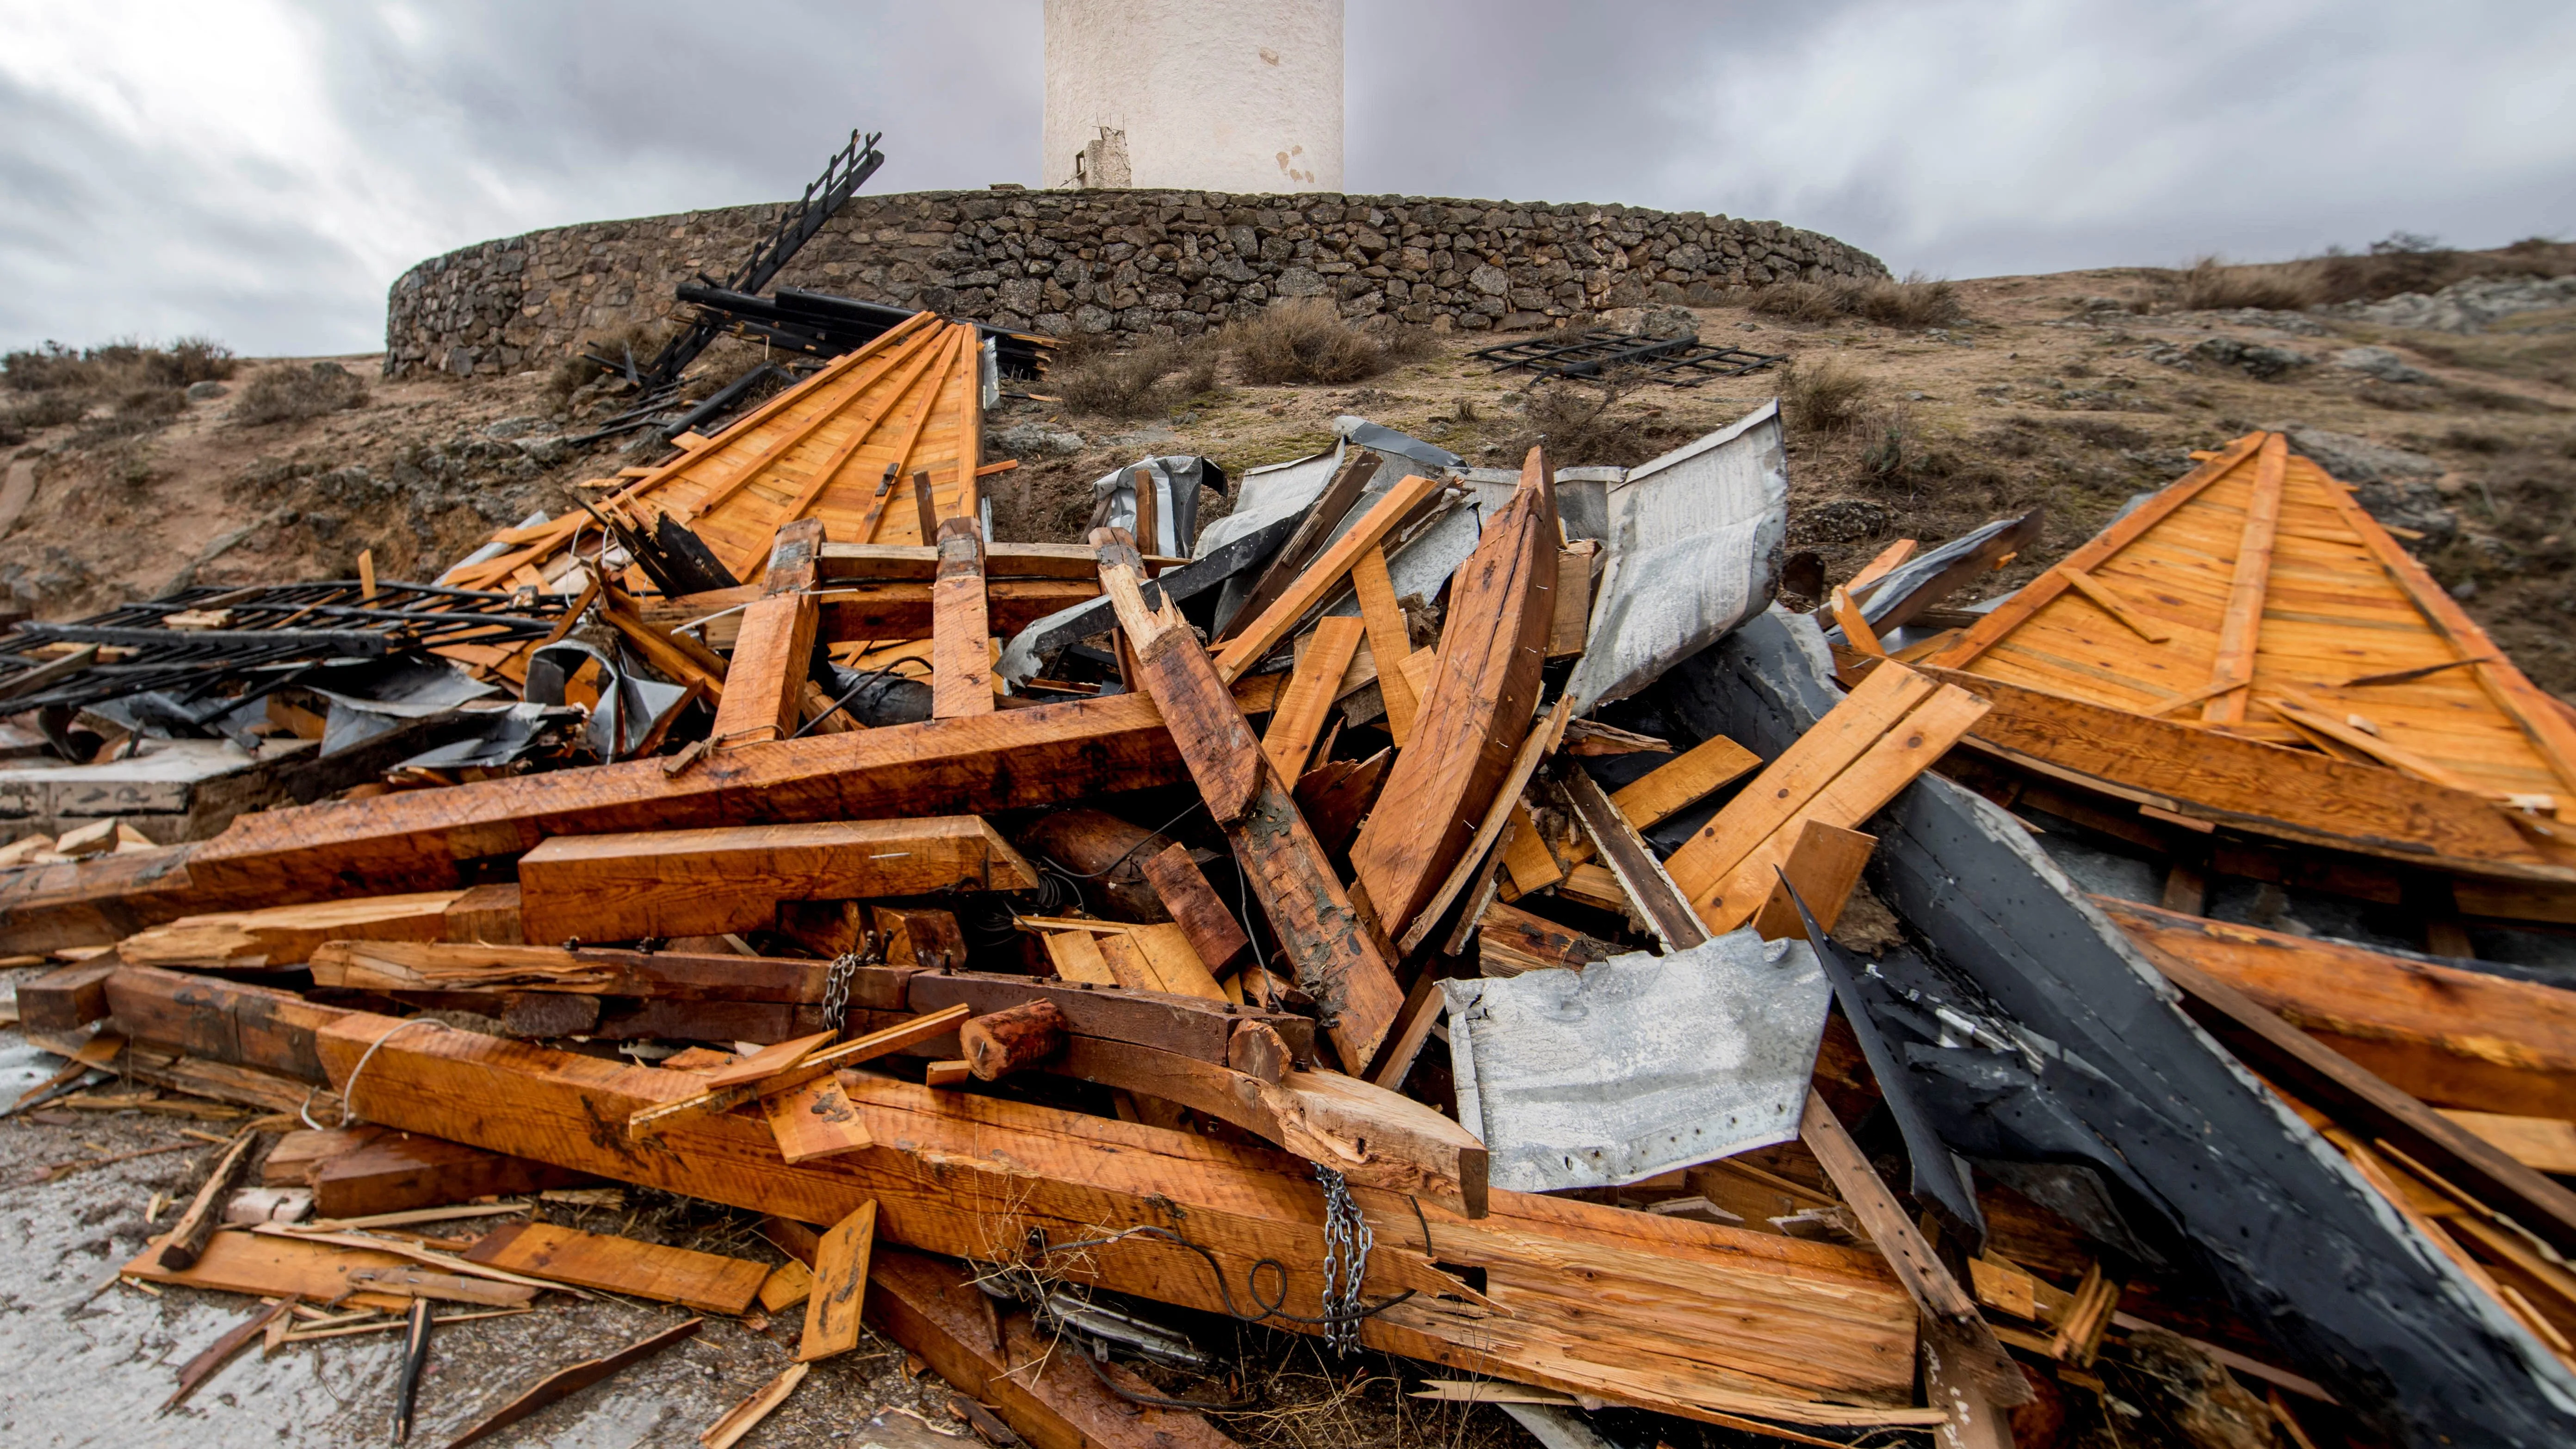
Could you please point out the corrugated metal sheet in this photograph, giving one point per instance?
(1639, 1064)
(1695, 542)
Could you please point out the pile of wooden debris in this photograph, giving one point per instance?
(1082, 993)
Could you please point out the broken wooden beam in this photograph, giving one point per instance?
(933, 1309)
(666, 883)
(2453, 1037)
(423, 840)
(1680, 1316)
(764, 696)
(961, 644)
(1475, 714)
(1197, 909)
(1336, 957)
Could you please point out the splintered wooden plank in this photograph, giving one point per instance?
(1489, 831)
(706, 1281)
(765, 687)
(1337, 957)
(766, 1062)
(1312, 587)
(815, 1120)
(840, 1292)
(1298, 718)
(1888, 766)
(961, 655)
(2240, 631)
(1474, 716)
(1824, 865)
(704, 882)
(2453, 1037)
(2286, 794)
(1786, 786)
(1389, 640)
(281, 1267)
(933, 1309)
(1699, 1317)
(1076, 956)
(1214, 934)
(286, 935)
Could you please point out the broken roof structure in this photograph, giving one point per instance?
(1451, 913)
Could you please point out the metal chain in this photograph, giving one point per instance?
(836, 988)
(1347, 1241)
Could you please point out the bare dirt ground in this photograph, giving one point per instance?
(2061, 391)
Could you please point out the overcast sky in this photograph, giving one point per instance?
(260, 170)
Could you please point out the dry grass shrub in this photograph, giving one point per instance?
(2403, 262)
(1143, 381)
(290, 393)
(1912, 304)
(1576, 420)
(2213, 286)
(117, 368)
(1305, 340)
(1822, 397)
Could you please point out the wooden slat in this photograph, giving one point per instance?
(706, 1281)
(961, 651)
(1388, 638)
(1311, 587)
(1298, 718)
(2286, 794)
(2453, 1037)
(2240, 628)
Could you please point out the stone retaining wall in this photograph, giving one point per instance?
(1124, 263)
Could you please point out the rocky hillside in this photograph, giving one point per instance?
(2444, 384)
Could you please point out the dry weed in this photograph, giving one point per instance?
(1306, 341)
(1915, 303)
(117, 367)
(2213, 286)
(1822, 396)
(288, 393)
(1140, 382)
